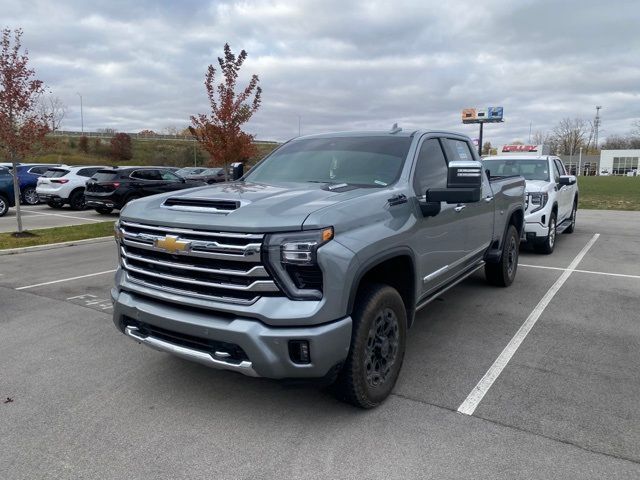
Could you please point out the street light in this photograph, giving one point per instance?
(81, 116)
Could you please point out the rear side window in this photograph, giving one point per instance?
(38, 170)
(55, 173)
(168, 175)
(431, 168)
(105, 176)
(146, 175)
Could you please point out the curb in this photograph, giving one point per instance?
(53, 246)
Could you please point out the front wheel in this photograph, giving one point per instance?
(57, 204)
(4, 206)
(548, 243)
(503, 273)
(77, 201)
(378, 341)
(30, 197)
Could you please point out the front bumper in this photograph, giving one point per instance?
(266, 347)
(95, 203)
(537, 224)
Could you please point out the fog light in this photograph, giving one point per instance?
(299, 351)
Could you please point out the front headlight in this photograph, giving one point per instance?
(292, 259)
(537, 201)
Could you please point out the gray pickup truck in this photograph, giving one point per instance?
(314, 264)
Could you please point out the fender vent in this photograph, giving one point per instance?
(201, 204)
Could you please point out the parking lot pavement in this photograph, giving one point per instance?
(42, 216)
(89, 403)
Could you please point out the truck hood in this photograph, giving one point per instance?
(262, 207)
(534, 186)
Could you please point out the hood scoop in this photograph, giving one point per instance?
(205, 205)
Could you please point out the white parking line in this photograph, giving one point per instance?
(68, 216)
(64, 280)
(581, 271)
(480, 390)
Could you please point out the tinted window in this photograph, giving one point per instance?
(431, 168)
(38, 170)
(86, 172)
(170, 176)
(105, 176)
(529, 169)
(55, 173)
(459, 150)
(366, 161)
(146, 175)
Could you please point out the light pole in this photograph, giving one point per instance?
(81, 115)
(579, 162)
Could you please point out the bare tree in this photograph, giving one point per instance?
(569, 135)
(53, 108)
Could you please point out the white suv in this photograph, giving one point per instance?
(61, 185)
(552, 195)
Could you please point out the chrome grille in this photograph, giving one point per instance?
(220, 266)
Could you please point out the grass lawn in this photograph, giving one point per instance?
(609, 193)
(57, 235)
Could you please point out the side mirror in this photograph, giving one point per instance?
(567, 180)
(464, 184)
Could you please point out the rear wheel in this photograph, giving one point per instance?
(548, 243)
(104, 210)
(503, 273)
(29, 196)
(77, 201)
(378, 341)
(4, 206)
(574, 213)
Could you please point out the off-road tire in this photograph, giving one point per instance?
(546, 244)
(377, 307)
(502, 273)
(76, 201)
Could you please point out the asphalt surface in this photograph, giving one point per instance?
(43, 216)
(89, 403)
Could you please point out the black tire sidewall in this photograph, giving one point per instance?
(73, 201)
(5, 206)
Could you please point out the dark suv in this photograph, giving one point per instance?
(113, 188)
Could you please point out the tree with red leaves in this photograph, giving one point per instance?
(220, 133)
(121, 147)
(22, 126)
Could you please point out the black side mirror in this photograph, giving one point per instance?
(464, 184)
(567, 180)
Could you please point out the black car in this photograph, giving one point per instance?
(112, 188)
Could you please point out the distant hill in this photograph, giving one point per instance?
(178, 152)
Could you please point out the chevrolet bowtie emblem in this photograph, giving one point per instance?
(171, 244)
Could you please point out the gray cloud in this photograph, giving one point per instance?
(341, 65)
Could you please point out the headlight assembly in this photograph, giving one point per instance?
(292, 258)
(537, 201)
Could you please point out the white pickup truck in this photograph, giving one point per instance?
(552, 194)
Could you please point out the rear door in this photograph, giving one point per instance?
(565, 194)
(478, 217)
(437, 240)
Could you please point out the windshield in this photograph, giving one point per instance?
(189, 171)
(363, 161)
(529, 169)
(55, 173)
(105, 176)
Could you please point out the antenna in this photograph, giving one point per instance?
(395, 128)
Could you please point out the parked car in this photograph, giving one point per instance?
(7, 198)
(28, 174)
(188, 171)
(552, 195)
(113, 188)
(209, 175)
(65, 185)
(314, 263)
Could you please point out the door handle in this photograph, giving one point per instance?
(488, 198)
(459, 208)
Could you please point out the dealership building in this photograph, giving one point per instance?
(619, 162)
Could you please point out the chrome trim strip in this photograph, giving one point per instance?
(258, 271)
(177, 291)
(205, 245)
(172, 230)
(256, 286)
(433, 275)
(193, 208)
(197, 253)
(425, 302)
(244, 367)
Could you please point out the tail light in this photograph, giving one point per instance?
(59, 180)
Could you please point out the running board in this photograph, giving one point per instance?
(443, 289)
(563, 226)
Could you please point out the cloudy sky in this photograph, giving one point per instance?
(341, 65)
